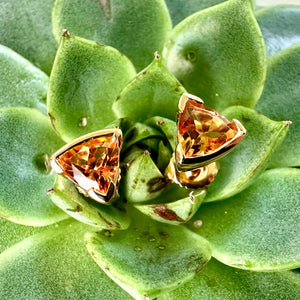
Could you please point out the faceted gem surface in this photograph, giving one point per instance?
(93, 164)
(202, 130)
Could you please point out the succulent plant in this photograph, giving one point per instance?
(236, 239)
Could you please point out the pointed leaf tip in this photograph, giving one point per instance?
(233, 70)
(156, 55)
(65, 33)
(78, 91)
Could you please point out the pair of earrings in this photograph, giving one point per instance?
(203, 136)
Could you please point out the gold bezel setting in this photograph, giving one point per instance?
(112, 193)
(191, 163)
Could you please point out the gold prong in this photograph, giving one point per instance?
(55, 166)
(184, 98)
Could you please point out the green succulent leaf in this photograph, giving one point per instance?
(137, 28)
(220, 282)
(176, 212)
(138, 132)
(25, 27)
(259, 228)
(155, 257)
(142, 181)
(154, 92)
(85, 79)
(65, 195)
(245, 163)
(164, 156)
(13, 233)
(280, 27)
(21, 83)
(180, 9)
(27, 140)
(54, 265)
(280, 100)
(167, 126)
(219, 55)
(150, 144)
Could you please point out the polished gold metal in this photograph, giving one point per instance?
(194, 179)
(112, 192)
(199, 171)
(191, 163)
(183, 100)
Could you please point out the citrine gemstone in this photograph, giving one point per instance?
(93, 164)
(202, 130)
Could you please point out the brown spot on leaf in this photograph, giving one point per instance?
(192, 197)
(288, 123)
(65, 33)
(160, 122)
(116, 225)
(163, 234)
(156, 55)
(156, 184)
(52, 118)
(164, 212)
(245, 120)
(200, 267)
(77, 209)
(50, 190)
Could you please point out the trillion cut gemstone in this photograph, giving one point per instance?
(202, 130)
(93, 164)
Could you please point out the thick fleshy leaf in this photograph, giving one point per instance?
(27, 140)
(155, 257)
(138, 132)
(154, 92)
(54, 265)
(218, 54)
(180, 9)
(85, 79)
(164, 156)
(142, 181)
(167, 126)
(13, 233)
(259, 228)
(150, 144)
(65, 195)
(21, 84)
(176, 212)
(279, 26)
(280, 100)
(25, 27)
(137, 28)
(241, 167)
(220, 282)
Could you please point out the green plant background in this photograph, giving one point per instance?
(236, 239)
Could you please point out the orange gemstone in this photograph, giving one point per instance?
(93, 164)
(202, 130)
